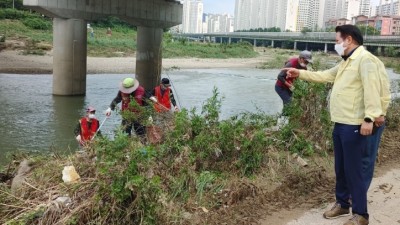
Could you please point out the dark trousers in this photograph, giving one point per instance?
(370, 155)
(350, 147)
(140, 130)
(286, 96)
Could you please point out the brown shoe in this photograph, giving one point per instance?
(336, 211)
(357, 220)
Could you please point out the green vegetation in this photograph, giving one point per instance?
(392, 62)
(30, 20)
(369, 30)
(271, 29)
(154, 184)
(9, 4)
(207, 50)
(36, 31)
(123, 40)
(16, 30)
(31, 27)
(305, 30)
(202, 165)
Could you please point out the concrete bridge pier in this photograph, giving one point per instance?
(69, 56)
(149, 56)
(382, 52)
(295, 45)
(230, 40)
(326, 48)
(272, 44)
(255, 43)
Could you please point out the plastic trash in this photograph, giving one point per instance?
(64, 200)
(70, 175)
(300, 161)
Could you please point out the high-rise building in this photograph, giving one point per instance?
(388, 8)
(351, 9)
(310, 14)
(253, 14)
(205, 23)
(292, 13)
(243, 14)
(220, 23)
(192, 16)
(330, 11)
(337, 10)
(365, 7)
(279, 10)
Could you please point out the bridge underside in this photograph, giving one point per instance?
(70, 36)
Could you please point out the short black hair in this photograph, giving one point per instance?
(350, 30)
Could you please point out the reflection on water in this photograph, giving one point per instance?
(33, 119)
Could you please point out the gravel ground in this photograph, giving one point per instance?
(14, 62)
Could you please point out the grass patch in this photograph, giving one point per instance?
(207, 50)
(123, 42)
(15, 29)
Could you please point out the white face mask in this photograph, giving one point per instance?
(303, 65)
(92, 116)
(339, 48)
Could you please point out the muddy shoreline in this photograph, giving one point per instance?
(16, 63)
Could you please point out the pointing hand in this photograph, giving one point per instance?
(291, 72)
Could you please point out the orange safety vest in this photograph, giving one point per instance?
(162, 99)
(138, 95)
(86, 132)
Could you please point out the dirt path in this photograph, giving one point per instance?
(14, 62)
(383, 199)
(383, 195)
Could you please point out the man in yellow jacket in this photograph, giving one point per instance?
(359, 100)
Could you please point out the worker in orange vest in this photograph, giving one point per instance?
(129, 89)
(87, 126)
(162, 96)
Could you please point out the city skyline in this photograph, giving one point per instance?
(228, 6)
(287, 15)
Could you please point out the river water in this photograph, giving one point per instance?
(32, 119)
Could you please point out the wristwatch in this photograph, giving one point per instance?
(368, 120)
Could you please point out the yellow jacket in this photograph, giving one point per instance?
(361, 87)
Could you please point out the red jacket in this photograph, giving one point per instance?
(163, 100)
(86, 132)
(294, 62)
(138, 95)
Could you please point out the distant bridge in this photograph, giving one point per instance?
(276, 39)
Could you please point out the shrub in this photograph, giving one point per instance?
(37, 23)
(113, 22)
(13, 14)
(9, 4)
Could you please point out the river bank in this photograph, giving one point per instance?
(14, 62)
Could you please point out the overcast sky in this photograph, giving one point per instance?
(228, 6)
(219, 6)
